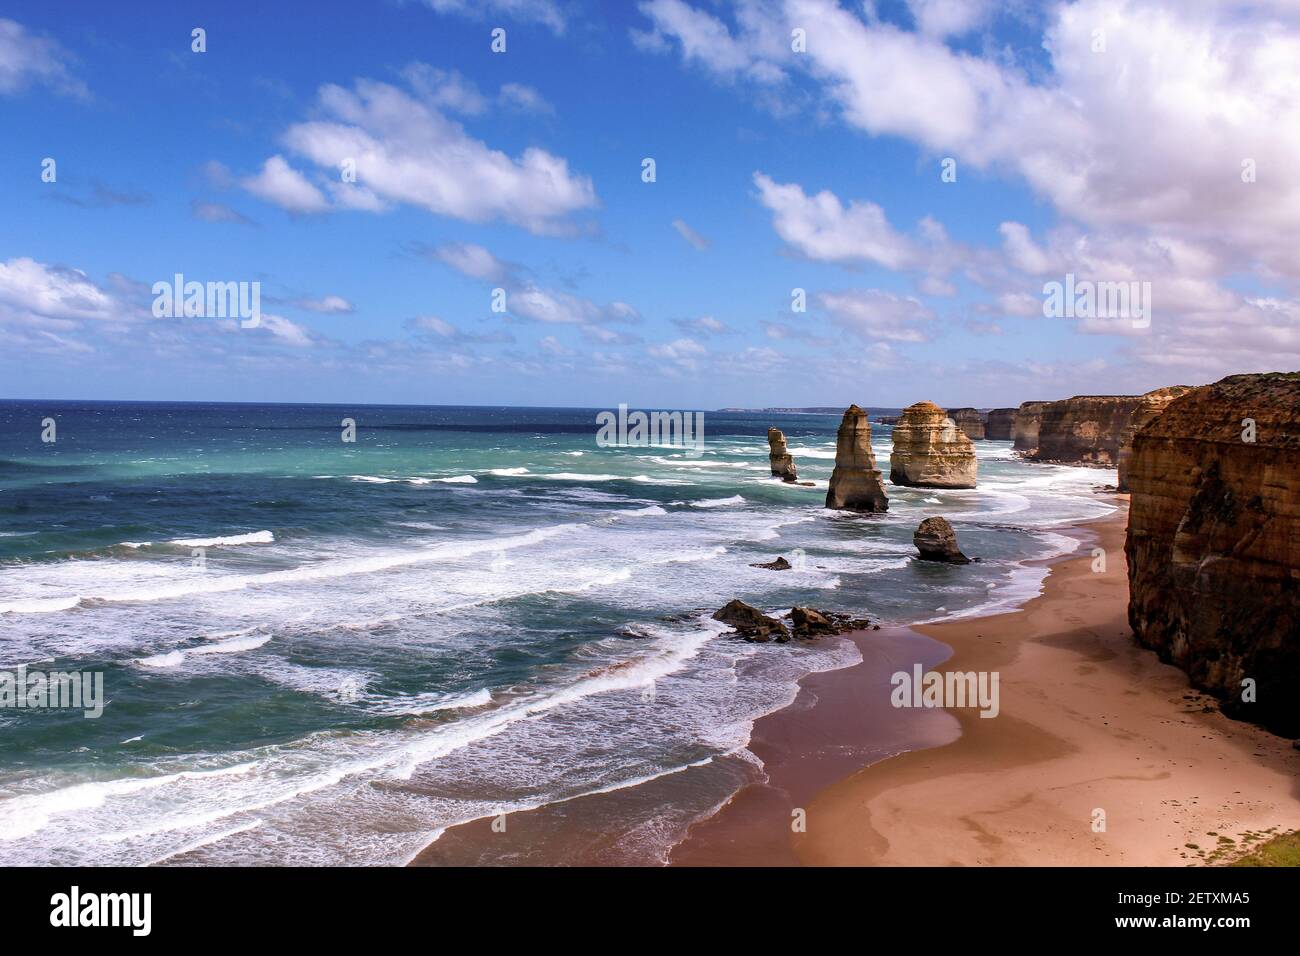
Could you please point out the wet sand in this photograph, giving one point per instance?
(1089, 724)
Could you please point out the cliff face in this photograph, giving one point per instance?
(779, 456)
(1214, 542)
(1152, 404)
(1086, 429)
(855, 483)
(997, 424)
(930, 451)
(1024, 426)
(969, 421)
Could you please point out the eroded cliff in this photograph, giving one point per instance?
(1214, 542)
(1085, 430)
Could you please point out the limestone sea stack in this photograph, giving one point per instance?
(1084, 430)
(1153, 403)
(779, 456)
(1024, 427)
(1214, 543)
(997, 425)
(936, 541)
(855, 483)
(969, 421)
(930, 451)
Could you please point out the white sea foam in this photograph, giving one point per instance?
(253, 537)
(508, 472)
(719, 502)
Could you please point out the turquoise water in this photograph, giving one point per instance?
(326, 652)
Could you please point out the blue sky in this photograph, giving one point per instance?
(521, 170)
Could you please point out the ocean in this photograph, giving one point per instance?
(327, 652)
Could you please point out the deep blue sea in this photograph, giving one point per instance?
(325, 652)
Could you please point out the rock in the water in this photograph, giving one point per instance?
(1152, 404)
(930, 451)
(751, 623)
(936, 541)
(807, 622)
(1024, 427)
(998, 423)
(1084, 430)
(1214, 543)
(855, 483)
(969, 420)
(779, 456)
(780, 564)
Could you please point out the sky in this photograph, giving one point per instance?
(431, 220)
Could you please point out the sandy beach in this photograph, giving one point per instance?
(1088, 722)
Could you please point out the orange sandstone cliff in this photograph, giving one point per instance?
(1214, 543)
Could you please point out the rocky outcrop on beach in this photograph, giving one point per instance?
(780, 564)
(887, 419)
(779, 456)
(969, 421)
(930, 451)
(936, 541)
(1214, 543)
(855, 483)
(805, 622)
(751, 623)
(1085, 429)
(998, 424)
(1024, 427)
(1152, 404)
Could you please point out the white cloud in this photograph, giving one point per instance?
(217, 212)
(280, 183)
(873, 314)
(821, 227)
(291, 333)
(545, 12)
(705, 40)
(473, 260)
(34, 293)
(27, 60)
(445, 89)
(406, 151)
(945, 18)
(1139, 147)
(525, 98)
(690, 235)
(328, 304)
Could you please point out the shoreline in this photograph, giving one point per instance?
(1089, 721)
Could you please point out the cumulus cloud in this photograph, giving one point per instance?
(1148, 126)
(35, 293)
(821, 227)
(407, 151)
(280, 183)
